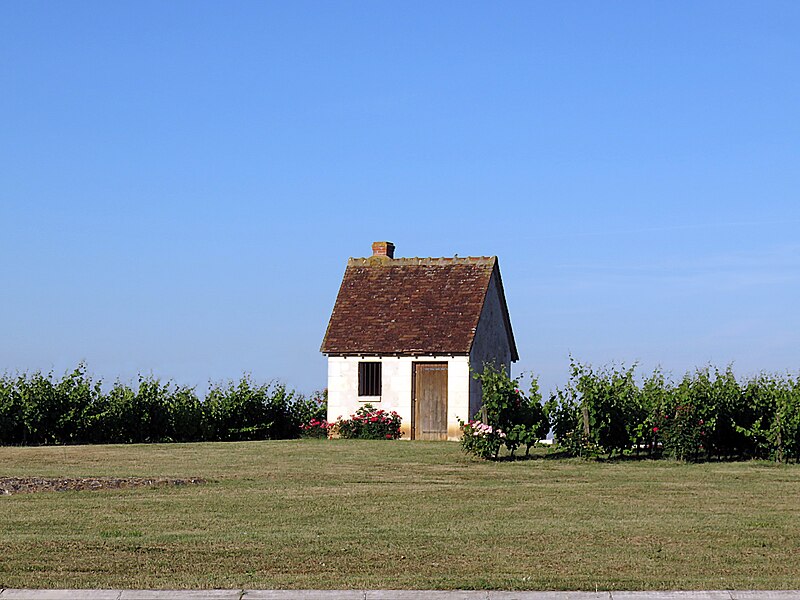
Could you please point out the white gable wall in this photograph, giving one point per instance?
(343, 398)
(491, 343)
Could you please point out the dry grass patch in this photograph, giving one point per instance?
(354, 514)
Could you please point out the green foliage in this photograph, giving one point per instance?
(507, 416)
(369, 423)
(313, 408)
(12, 420)
(313, 413)
(565, 414)
(708, 414)
(612, 405)
(38, 409)
(244, 410)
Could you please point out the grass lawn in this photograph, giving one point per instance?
(352, 514)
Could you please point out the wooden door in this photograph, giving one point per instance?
(430, 401)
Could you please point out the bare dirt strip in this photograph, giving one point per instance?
(28, 485)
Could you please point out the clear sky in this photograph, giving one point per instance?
(181, 183)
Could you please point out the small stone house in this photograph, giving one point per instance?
(405, 334)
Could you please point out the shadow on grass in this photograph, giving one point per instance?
(564, 455)
(644, 456)
(625, 458)
(553, 455)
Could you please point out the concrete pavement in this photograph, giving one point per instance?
(18, 594)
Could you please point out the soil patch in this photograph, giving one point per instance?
(27, 485)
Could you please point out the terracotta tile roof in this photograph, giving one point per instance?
(410, 306)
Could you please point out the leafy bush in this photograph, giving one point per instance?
(682, 433)
(12, 420)
(244, 410)
(708, 414)
(39, 409)
(507, 417)
(566, 415)
(313, 413)
(481, 439)
(369, 423)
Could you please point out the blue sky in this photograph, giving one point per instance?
(181, 183)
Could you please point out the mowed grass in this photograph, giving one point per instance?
(352, 514)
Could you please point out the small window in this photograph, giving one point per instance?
(369, 379)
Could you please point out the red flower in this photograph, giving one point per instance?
(655, 429)
(388, 436)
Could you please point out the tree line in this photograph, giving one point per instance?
(38, 409)
(707, 414)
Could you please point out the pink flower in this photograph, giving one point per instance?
(655, 429)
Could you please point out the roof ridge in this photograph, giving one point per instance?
(420, 261)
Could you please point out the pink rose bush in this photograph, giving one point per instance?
(481, 439)
(369, 423)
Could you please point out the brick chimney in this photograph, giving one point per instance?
(383, 249)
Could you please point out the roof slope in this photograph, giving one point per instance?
(410, 306)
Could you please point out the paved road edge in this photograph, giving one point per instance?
(92, 594)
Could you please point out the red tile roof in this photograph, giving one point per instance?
(411, 306)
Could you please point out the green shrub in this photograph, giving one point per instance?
(682, 433)
(708, 414)
(784, 432)
(12, 419)
(569, 422)
(507, 417)
(185, 419)
(312, 413)
(245, 411)
(39, 409)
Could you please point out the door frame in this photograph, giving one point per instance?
(414, 393)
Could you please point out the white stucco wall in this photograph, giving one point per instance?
(491, 343)
(343, 398)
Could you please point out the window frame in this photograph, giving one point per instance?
(370, 378)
